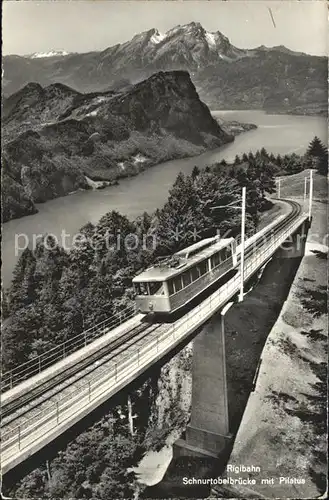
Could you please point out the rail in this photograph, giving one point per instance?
(107, 379)
(42, 361)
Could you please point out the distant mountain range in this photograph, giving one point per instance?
(226, 77)
(56, 140)
(51, 53)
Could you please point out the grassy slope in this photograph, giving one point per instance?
(279, 430)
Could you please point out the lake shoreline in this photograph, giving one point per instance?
(232, 128)
(279, 134)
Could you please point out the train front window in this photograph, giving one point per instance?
(156, 288)
(178, 284)
(171, 290)
(141, 289)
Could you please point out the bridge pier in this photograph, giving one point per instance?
(208, 431)
(294, 246)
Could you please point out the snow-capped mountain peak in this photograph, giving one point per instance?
(51, 53)
(211, 39)
(157, 37)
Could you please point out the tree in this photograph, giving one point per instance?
(179, 217)
(22, 289)
(18, 335)
(251, 157)
(316, 148)
(322, 165)
(318, 154)
(5, 311)
(237, 160)
(264, 153)
(216, 189)
(195, 172)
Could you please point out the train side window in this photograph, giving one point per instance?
(186, 278)
(194, 273)
(202, 267)
(226, 253)
(178, 284)
(170, 287)
(215, 260)
(156, 288)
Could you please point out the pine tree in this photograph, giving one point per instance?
(316, 148)
(322, 166)
(195, 172)
(179, 216)
(318, 155)
(22, 289)
(237, 160)
(264, 153)
(216, 190)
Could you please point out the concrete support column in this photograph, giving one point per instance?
(294, 246)
(208, 431)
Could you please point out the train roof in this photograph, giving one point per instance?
(183, 260)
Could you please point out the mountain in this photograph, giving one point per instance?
(226, 77)
(55, 138)
(51, 53)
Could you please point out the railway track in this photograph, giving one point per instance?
(34, 398)
(16, 411)
(295, 212)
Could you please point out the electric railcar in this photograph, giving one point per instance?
(175, 281)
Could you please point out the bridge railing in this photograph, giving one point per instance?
(107, 378)
(41, 362)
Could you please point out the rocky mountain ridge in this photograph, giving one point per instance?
(54, 137)
(226, 77)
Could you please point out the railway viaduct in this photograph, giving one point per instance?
(52, 393)
(208, 432)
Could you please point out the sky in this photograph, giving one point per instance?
(87, 25)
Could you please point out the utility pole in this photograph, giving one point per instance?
(305, 188)
(243, 228)
(279, 188)
(48, 470)
(131, 417)
(310, 196)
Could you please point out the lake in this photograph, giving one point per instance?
(279, 134)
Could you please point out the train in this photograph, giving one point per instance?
(174, 281)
